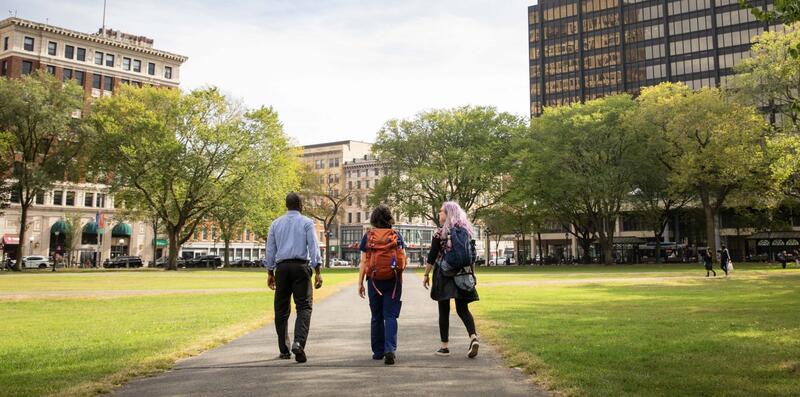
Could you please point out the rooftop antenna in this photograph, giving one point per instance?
(12, 13)
(104, 18)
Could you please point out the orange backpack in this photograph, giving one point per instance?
(385, 259)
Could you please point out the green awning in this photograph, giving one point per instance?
(92, 229)
(160, 242)
(122, 230)
(62, 227)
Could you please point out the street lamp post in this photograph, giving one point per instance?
(30, 246)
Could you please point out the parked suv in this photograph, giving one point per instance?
(123, 261)
(204, 261)
(161, 262)
(35, 262)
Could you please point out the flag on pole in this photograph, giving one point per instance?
(100, 219)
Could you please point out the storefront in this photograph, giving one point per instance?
(767, 245)
(120, 239)
(9, 244)
(59, 233)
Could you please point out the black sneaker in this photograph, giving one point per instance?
(378, 356)
(299, 354)
(443, 352)
(285, 356)
(388, 358)
(473, 348)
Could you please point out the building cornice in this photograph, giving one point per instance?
(91, 38)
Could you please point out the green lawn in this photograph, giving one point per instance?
(81, 346)
(677, 334)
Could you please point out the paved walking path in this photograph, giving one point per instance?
(340, 362)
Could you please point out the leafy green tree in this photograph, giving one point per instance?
(579, 161)
(272, 174)
(786, 11)
(6, 140)
(176, 155)
(713, 145)
(40, 134)
(324, 201)
(448, 154)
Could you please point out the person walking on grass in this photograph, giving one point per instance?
(709, 264)
(454, 222)
(724, 259)
(383, 260)
(292, 255)
(782, 258)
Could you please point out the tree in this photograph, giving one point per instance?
(714, 146)
(176, 155)
(323, 202)
(579, 161)
(273, 174)
(40, 135)
(6, 164)
(771, 77)
(455, 154)
(786, 11)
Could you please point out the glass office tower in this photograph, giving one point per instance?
(584, 49)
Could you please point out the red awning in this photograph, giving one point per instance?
(10, 239)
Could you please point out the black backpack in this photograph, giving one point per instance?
(460, 254)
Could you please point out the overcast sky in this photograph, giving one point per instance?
(333, 69)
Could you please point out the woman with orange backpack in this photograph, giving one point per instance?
(452, 257)
(383, 259)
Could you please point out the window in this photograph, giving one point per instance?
(151, 68)
(205, 233)
(108, 83)
(5, 44)
(349, 217)
(28, 44)
(358, 184)
(126, 63)
(69, 52)
(96, 79)
(27, 67)
(67, 74)
(39, 198)
(14, 196)
(98, 58)
(81, 54)
(58, 197)
(101, 200)
(110, 60)
(70, 199)
(80, 77)
(125, 81)
(137, 65)
(367, 182)
(377, 171)
(51, 69)
(247, 235)
(167, 72)
(51, 48)
(88, 199)
(358, 217)
(214, 232)
(3, 68)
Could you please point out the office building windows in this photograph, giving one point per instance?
(70, 201)
(110, 60)
(58, 197)
(108, 83)
(27, 67)
(126, 63)
(88, 199)
(96, 81)
(81, 54)
(51, 70)
(5, 43)
(80, 78)
(66, 74)
(137, 66)
(98, 58)
(151, 68)
(167, 72)
(51, 48)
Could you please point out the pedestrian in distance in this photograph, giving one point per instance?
(707, 261)
(724, 259)
(782, 258)
(448, 241)
(383, 259)
(292, 256)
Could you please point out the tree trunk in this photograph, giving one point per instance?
(659, 236)
(606, 246)
(327, 248)
(172, 263)
(23, 223)
(586, 245)
(711, 229)
(226, 259)
(487, 248)
(541, 254)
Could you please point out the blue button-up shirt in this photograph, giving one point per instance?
(292, 236)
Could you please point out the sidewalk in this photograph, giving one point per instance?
(340, 362)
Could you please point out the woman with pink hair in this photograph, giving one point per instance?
(444, 288)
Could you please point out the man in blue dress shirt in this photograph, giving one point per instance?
(292, 255)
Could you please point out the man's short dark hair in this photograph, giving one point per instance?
(294, 202)
(381, 217)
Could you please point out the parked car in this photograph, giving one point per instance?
(336, 262)
(244, 263)
(161, 262)
(123, 261)
(211, 261)
(503, 260)
(35, 262)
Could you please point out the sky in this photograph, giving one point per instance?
(333, 69)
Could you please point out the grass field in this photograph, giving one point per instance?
(87, 344)
(647, 330)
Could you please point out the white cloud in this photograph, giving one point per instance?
(333, 69)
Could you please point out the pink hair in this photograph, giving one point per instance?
(456, 217)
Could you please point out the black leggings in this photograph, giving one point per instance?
(462, 309)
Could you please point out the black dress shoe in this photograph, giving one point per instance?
(388, 358)
(285, 356)
(299, 354)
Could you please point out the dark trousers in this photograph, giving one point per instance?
(385, 310)
(292, 280)
(462, 309)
